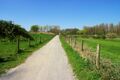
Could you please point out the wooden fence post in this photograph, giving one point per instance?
(18, 44)
(70, 40)
(82, 45)
(75, 43)
(40, 39)
(98, 56)
(29, 42)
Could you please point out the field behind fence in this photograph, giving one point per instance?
(108, 68)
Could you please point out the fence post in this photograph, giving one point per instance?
(75, 43)
(29, 42)
(82, 45)
(70, 40)
(98, 56)
(40, 39)
(18, 44)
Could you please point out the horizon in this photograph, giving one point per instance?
(65, 13)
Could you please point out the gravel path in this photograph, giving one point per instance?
(48, 63)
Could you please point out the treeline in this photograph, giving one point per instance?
(98, 31)
(70, 31)
(12, 31)
(102, 30)
(53, 29)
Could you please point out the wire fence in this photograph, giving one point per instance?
(108, 70)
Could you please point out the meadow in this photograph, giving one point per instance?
(86, 68)
(110, 49)
(8, 56)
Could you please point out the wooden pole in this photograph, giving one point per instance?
(29, 42)
(69, 39)
(75, 43)
(98, 56)
(40, 39)
(18, 44)
(82, 45)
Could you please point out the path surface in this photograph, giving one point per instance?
(48, 63)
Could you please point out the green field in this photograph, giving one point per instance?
(110, 49)
(8, 56)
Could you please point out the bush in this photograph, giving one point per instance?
(111, 35)
(98, 36)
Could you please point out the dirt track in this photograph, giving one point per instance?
(48, 63)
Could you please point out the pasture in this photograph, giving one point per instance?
(8, 56)
(110, 49)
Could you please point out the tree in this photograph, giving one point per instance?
(35, 28)
(13, 31)
(55, 29)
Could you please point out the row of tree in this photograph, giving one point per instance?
(103, 30)
(98, 31)
(53, 29)
(70, 31)
(10, 30)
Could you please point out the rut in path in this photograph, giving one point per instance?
(48, 63)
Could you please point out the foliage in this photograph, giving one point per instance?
(10, 30)
(35, 28)
(81, 32)
(111, 35)
(102, 29)
(71, 31)
(55, 29)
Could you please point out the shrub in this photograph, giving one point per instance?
(111, 35)
(98, 36)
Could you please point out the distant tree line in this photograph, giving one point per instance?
(70, 31)
(53, 29)
(98, 31)
(102, 30)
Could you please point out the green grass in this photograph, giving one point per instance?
(82, 69)
(110, 49)
(8, 51)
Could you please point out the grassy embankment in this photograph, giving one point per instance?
(8, 56)
(82, 69)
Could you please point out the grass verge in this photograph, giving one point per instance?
(82, 69)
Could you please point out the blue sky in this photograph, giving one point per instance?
(66, 13)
